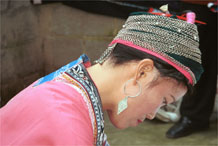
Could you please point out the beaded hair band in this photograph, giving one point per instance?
(164, 36)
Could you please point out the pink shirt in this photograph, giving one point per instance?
(52, 113)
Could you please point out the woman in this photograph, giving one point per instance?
(154, 60)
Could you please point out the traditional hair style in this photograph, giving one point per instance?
(165, 37)
(123, 54)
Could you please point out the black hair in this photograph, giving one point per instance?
(123, 54)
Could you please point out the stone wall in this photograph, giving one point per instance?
(38, 39)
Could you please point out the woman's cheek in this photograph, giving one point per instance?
(153, 107)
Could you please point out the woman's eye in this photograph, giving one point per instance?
(165, 101)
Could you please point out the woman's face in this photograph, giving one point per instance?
(147, 103)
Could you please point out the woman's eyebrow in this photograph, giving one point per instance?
(174, 99)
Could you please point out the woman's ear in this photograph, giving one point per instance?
(144, 67)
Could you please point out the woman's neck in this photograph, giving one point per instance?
(102, 77)
(109, 80)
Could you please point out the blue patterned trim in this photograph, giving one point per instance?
(83, 58)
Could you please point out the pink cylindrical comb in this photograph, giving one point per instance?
(190, 17)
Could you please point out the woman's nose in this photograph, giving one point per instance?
(150, 116)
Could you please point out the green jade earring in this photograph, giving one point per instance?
(123, 103)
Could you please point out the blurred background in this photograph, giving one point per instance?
(38, 37)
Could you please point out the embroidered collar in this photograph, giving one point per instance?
(80, 74)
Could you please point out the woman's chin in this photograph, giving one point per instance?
(122, 126)
(116, 122)
(118, 125)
